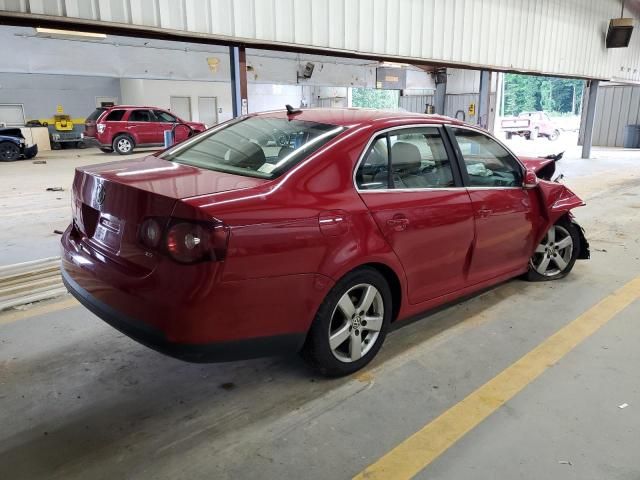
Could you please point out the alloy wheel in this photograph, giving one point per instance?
(8, 151)
(553, 255)
(356, 322)
(124, 145)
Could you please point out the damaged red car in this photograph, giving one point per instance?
(310, 231)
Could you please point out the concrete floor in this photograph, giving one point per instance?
(79, 400)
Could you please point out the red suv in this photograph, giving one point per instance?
(122, 128)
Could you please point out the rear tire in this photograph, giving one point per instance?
(554, 135)
(9, 152)
(351, 324)
(556, 254)
(123, 144)
(509, 135)
(533, 134)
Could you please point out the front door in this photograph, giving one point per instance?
(167, 121)
(504, 211)
(415, 195)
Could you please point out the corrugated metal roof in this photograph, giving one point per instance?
(561, 37)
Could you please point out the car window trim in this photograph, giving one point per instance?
(462, 166)
(455, 168)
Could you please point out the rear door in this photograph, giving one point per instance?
(505, 213)
(414, 192)
(142, 125)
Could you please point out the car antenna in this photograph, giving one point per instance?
(292, 111)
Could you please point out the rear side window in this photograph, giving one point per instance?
(261, 147)
(114, 116)
(95, 115)
(418, 159)
(140, 116)
(373, 173)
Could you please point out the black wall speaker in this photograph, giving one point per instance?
(619, 32)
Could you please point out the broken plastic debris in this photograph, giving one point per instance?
(564, 462)
(55, 189)
(40, 162)
(624, 405)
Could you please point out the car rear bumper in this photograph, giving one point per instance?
(94, 142)
(199, 353)
(190, 315)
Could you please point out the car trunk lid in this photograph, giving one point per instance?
(110, 202)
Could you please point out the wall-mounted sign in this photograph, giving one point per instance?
(472, 109)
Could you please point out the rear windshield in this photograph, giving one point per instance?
(256, 146)
(95, 114)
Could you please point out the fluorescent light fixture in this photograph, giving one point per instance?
(393, 65)
(54, 32)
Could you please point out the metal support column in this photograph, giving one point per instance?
(589, 119)
(484, 99)
(441, 91)
(239, 101)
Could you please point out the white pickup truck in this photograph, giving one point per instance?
(530, 125)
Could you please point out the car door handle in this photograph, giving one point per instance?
(398, 223)
(484, 212)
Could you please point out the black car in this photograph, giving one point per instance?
(13, 145)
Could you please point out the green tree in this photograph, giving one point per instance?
(374, 98)
(524, 93)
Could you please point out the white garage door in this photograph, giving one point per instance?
(11, 114)
(208, 110)
(181, 106)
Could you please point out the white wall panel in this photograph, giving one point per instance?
(562, 37)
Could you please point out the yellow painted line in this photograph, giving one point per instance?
(41, 309)
(423, 447)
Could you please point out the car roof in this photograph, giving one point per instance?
(351, 117)
(121, 107)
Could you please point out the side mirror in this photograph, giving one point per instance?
(530, 180)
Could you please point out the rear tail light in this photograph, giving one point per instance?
(186, 241)
(101, 127)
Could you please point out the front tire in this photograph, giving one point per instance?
(554, 135)
(9, 152)
(351, 324)
(123, 144)
(556, 254)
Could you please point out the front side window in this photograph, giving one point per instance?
(488, 163)
(165, 117)
(415, 157)
(256, 146)
(140, 116)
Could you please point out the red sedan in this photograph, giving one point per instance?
(310, 231)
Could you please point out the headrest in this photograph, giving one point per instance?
(248, 155)
(284, 151)
(405, 156)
